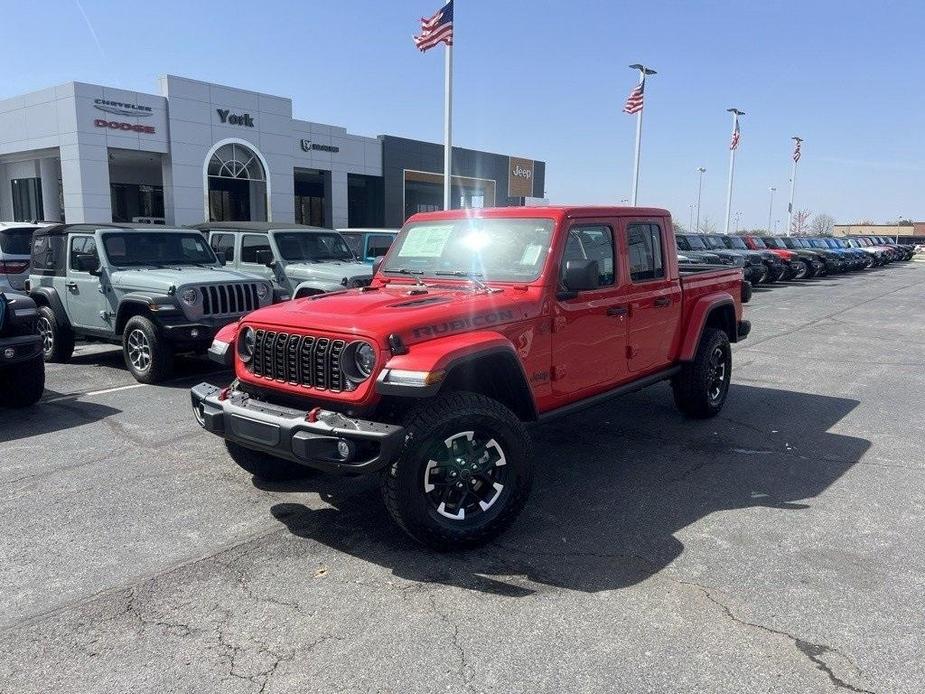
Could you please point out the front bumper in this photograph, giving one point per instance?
(15, 350)
(315, 438)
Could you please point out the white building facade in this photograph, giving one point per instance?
(196, 151)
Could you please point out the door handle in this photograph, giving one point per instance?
(617, 311)
(70, 285)
(663, 301)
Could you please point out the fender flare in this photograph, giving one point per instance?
(137, 299)
(49, 296)
(703, 307)
(452, 354)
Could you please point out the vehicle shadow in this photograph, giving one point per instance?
(187, 367)
(55, 412)
(614, 485)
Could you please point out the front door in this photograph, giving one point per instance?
(654, 298)
(87, 305)
(589, 330)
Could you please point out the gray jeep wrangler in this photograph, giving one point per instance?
(299, 260)
(155, 291)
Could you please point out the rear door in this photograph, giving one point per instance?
(589, 329)
(653, 295)
(87, 306)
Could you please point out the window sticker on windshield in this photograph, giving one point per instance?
(531, 254)
(425, 242)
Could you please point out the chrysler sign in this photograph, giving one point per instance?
(121, 109)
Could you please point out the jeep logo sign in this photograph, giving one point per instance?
(230, 118)
(520, 177)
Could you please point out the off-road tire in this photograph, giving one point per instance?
(806, 273)
(693, 386)
(159, 364)
(23, 384)
(403, 482)
(810, 270)
(57, 340)
(264, 466)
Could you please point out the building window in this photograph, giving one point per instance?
(365, 201)
(27, 199)
(131, 202)
(310, 189)
(237, 185)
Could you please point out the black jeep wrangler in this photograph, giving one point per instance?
(22, 369)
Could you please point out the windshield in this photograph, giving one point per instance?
(695, 242)
(714, 242)
(16, 241)
(311, 245)
(817, 243)
(758, 242)
(504, 250)
(157, 248)
(736, 242)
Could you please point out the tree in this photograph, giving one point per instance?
(678, 228)
(822, 224)
(706, 225)
(904, 222)
(800, 223)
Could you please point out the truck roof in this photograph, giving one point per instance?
(64, 229)
(255, 227)
(544, 212)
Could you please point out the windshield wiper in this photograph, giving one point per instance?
(415, 274)
(471, 276)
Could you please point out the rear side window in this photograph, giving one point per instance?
(644, 242)
(49, 254)
(15, 241)
(252, 243)
(223, 243)
(592, 242)
(378, 245)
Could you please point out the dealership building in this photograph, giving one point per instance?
(198, 151)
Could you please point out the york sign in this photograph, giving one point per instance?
(119, 125)
(230, 118)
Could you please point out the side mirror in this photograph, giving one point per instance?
(377, 263)
(87, 262)
(581, 275)
(266, 258)
(220, 256)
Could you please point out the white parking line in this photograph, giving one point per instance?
(74, 396)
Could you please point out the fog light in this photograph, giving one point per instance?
(194, 333)
(9, 352)
(344, 449)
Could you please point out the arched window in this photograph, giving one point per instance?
(236, 161)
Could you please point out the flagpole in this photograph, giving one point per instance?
(643, 71)
(732, 165)
(793, 183)
(448, 128)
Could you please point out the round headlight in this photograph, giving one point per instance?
(263, 291)
(189, 296)
(364, 357)
(246, 343)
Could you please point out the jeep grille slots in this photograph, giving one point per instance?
(219, 299)
(303, 360)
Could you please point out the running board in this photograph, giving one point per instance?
(625, 389)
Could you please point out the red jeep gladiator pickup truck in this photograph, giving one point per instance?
(477, 324)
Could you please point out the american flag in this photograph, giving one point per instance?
(634, 100)
(734, 143)
(436, 29)
(796, 150)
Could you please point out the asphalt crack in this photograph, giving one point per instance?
(465, 670)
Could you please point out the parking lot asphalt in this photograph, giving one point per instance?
(775, 548)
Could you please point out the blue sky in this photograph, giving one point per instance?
(547, 80)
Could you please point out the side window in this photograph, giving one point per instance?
(250, 244)
(645, 252)
(354, 243)
(223, 243)
(81, 245)
(378, 245)
(592, 242)
(682, 243)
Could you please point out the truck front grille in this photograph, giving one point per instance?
(303, 360)
(229, 299)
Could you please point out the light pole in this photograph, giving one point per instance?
(701, 170)
(643, 73)
(691, 223)
(733, 146)
(776, 222)
(797, 143)
(897, 229)
(771, 189)
(738, 215)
